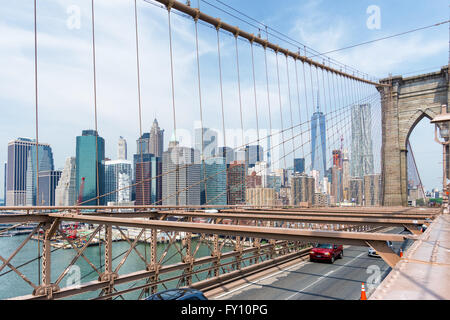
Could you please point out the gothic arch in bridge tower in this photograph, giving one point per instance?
(415, 119)
(404, 105)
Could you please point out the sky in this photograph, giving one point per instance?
(65, 64)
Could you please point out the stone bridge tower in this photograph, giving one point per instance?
(404, 104)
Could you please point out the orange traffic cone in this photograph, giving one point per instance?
(363, 292)
(401, 252)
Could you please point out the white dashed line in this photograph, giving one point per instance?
(323, 277)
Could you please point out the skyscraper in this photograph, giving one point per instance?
(66, 192)
(318, 142)
(236, 180)
(356, 191)
(90, 156)
(118, 176)
(336, 183)
(299, 165)
(317, 180)
(148, 180)
(372, 189)
(20, 159)
(337, 158)
(262, 169)
(181, 176)
(206, 142)
(122, 152)
(214, 187)
(362, 154)
(48, 180)
(302, 189)
(260, 196)
(225, 152)
(156, 143)
(45, 164)
(345, 175)
(253, 154)
(143, 143)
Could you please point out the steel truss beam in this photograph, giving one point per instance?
(107, 281)
(351, 238)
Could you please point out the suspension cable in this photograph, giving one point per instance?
(139, 98)
(200, 108)
(281, 111)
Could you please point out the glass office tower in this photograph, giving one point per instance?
(299, 165)
(48, 180)
(118, 176)
(214, 188)
(21, 170)
(90, 165)
(148, 179)
(45, 164)
(318, 142)
(253, 154)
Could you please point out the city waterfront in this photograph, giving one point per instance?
(27, 263)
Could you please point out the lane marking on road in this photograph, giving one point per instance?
(261, 279)
(324, 276)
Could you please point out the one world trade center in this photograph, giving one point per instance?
(318, 141)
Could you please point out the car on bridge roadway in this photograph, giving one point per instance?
(373, 253)
(326, 252)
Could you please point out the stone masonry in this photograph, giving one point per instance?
(404, 104)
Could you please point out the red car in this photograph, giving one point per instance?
(326, 252)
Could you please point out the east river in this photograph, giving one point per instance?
(12, 285)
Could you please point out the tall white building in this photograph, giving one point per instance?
(66, 193)
(122, 149)
(362, 153)
(118, 176)
(156, 144)
(181, 176)
(316, 175)
(262, 169)
(325, 186)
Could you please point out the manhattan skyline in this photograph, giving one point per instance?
(73, 88)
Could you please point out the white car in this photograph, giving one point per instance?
(373, 253)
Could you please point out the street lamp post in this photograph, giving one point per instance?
(442, 121)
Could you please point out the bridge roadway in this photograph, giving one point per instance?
(424, 272)
(316, 280)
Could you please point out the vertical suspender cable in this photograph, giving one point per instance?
(281, 111)
(171, 74)
(299, 109)
(95, 116)
(269, 136)
(240, 104)
(169, 6)
(313, 110)
(239, 87)
(139, 100)
(222, 106)
(306, 103)
(95, 100)
(203, 164)
(36, 102)
(254, 91)
(37, 130)
(256, 105)
(290, 105)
